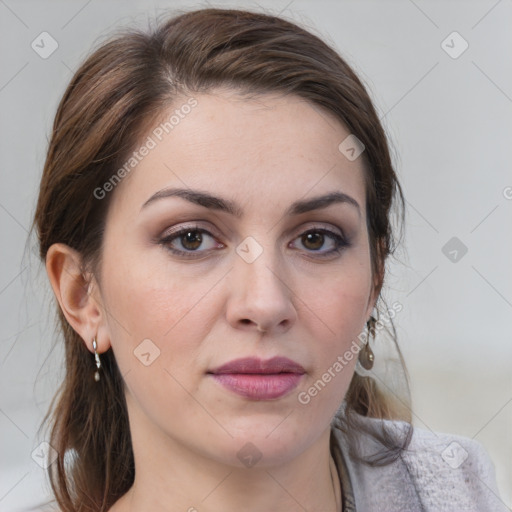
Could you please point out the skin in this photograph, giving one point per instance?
(263, 153)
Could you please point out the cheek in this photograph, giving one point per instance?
(339, 316)
(157, 322)
(342, 321)
(145, 294)
(340, 302)
(152, 308)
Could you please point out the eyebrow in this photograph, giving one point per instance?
(225, 205)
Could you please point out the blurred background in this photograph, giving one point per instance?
(441, 81)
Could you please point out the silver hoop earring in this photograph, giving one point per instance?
(98, 362)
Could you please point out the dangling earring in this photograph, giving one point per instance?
(366, 356)
(98, 362)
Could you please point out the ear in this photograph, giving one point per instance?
(72, 289)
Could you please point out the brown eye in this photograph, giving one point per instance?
(313, 240)
(191, 240)
(316, 239)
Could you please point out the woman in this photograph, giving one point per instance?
(214, 216)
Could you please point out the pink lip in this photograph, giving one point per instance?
(258, 379)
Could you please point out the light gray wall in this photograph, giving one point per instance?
(449, 120)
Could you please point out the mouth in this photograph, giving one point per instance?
(257, 379)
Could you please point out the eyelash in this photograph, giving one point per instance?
(341, 242)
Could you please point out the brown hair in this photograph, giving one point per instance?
(116, 94)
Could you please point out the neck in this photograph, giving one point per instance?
(171, 477)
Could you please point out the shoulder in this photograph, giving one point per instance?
(449, 451)
(437, 471)
(457, 465)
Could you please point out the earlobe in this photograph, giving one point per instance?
(72, 291)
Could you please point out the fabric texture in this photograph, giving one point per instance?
(437, 473)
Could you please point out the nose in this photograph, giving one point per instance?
(261, 297)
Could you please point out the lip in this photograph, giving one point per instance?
(255, 365)
(259, 379)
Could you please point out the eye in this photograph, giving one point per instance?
(190, 239)
(187, 242)
(314, 239)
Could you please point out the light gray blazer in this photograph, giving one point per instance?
(437, 473)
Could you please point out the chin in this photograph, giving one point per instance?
(265, 444)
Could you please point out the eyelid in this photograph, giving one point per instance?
(175, 234)
(317, 225)
(337, 236)
(195, 225)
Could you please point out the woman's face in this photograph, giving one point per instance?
(255, 258)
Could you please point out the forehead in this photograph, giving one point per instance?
(262, 149)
